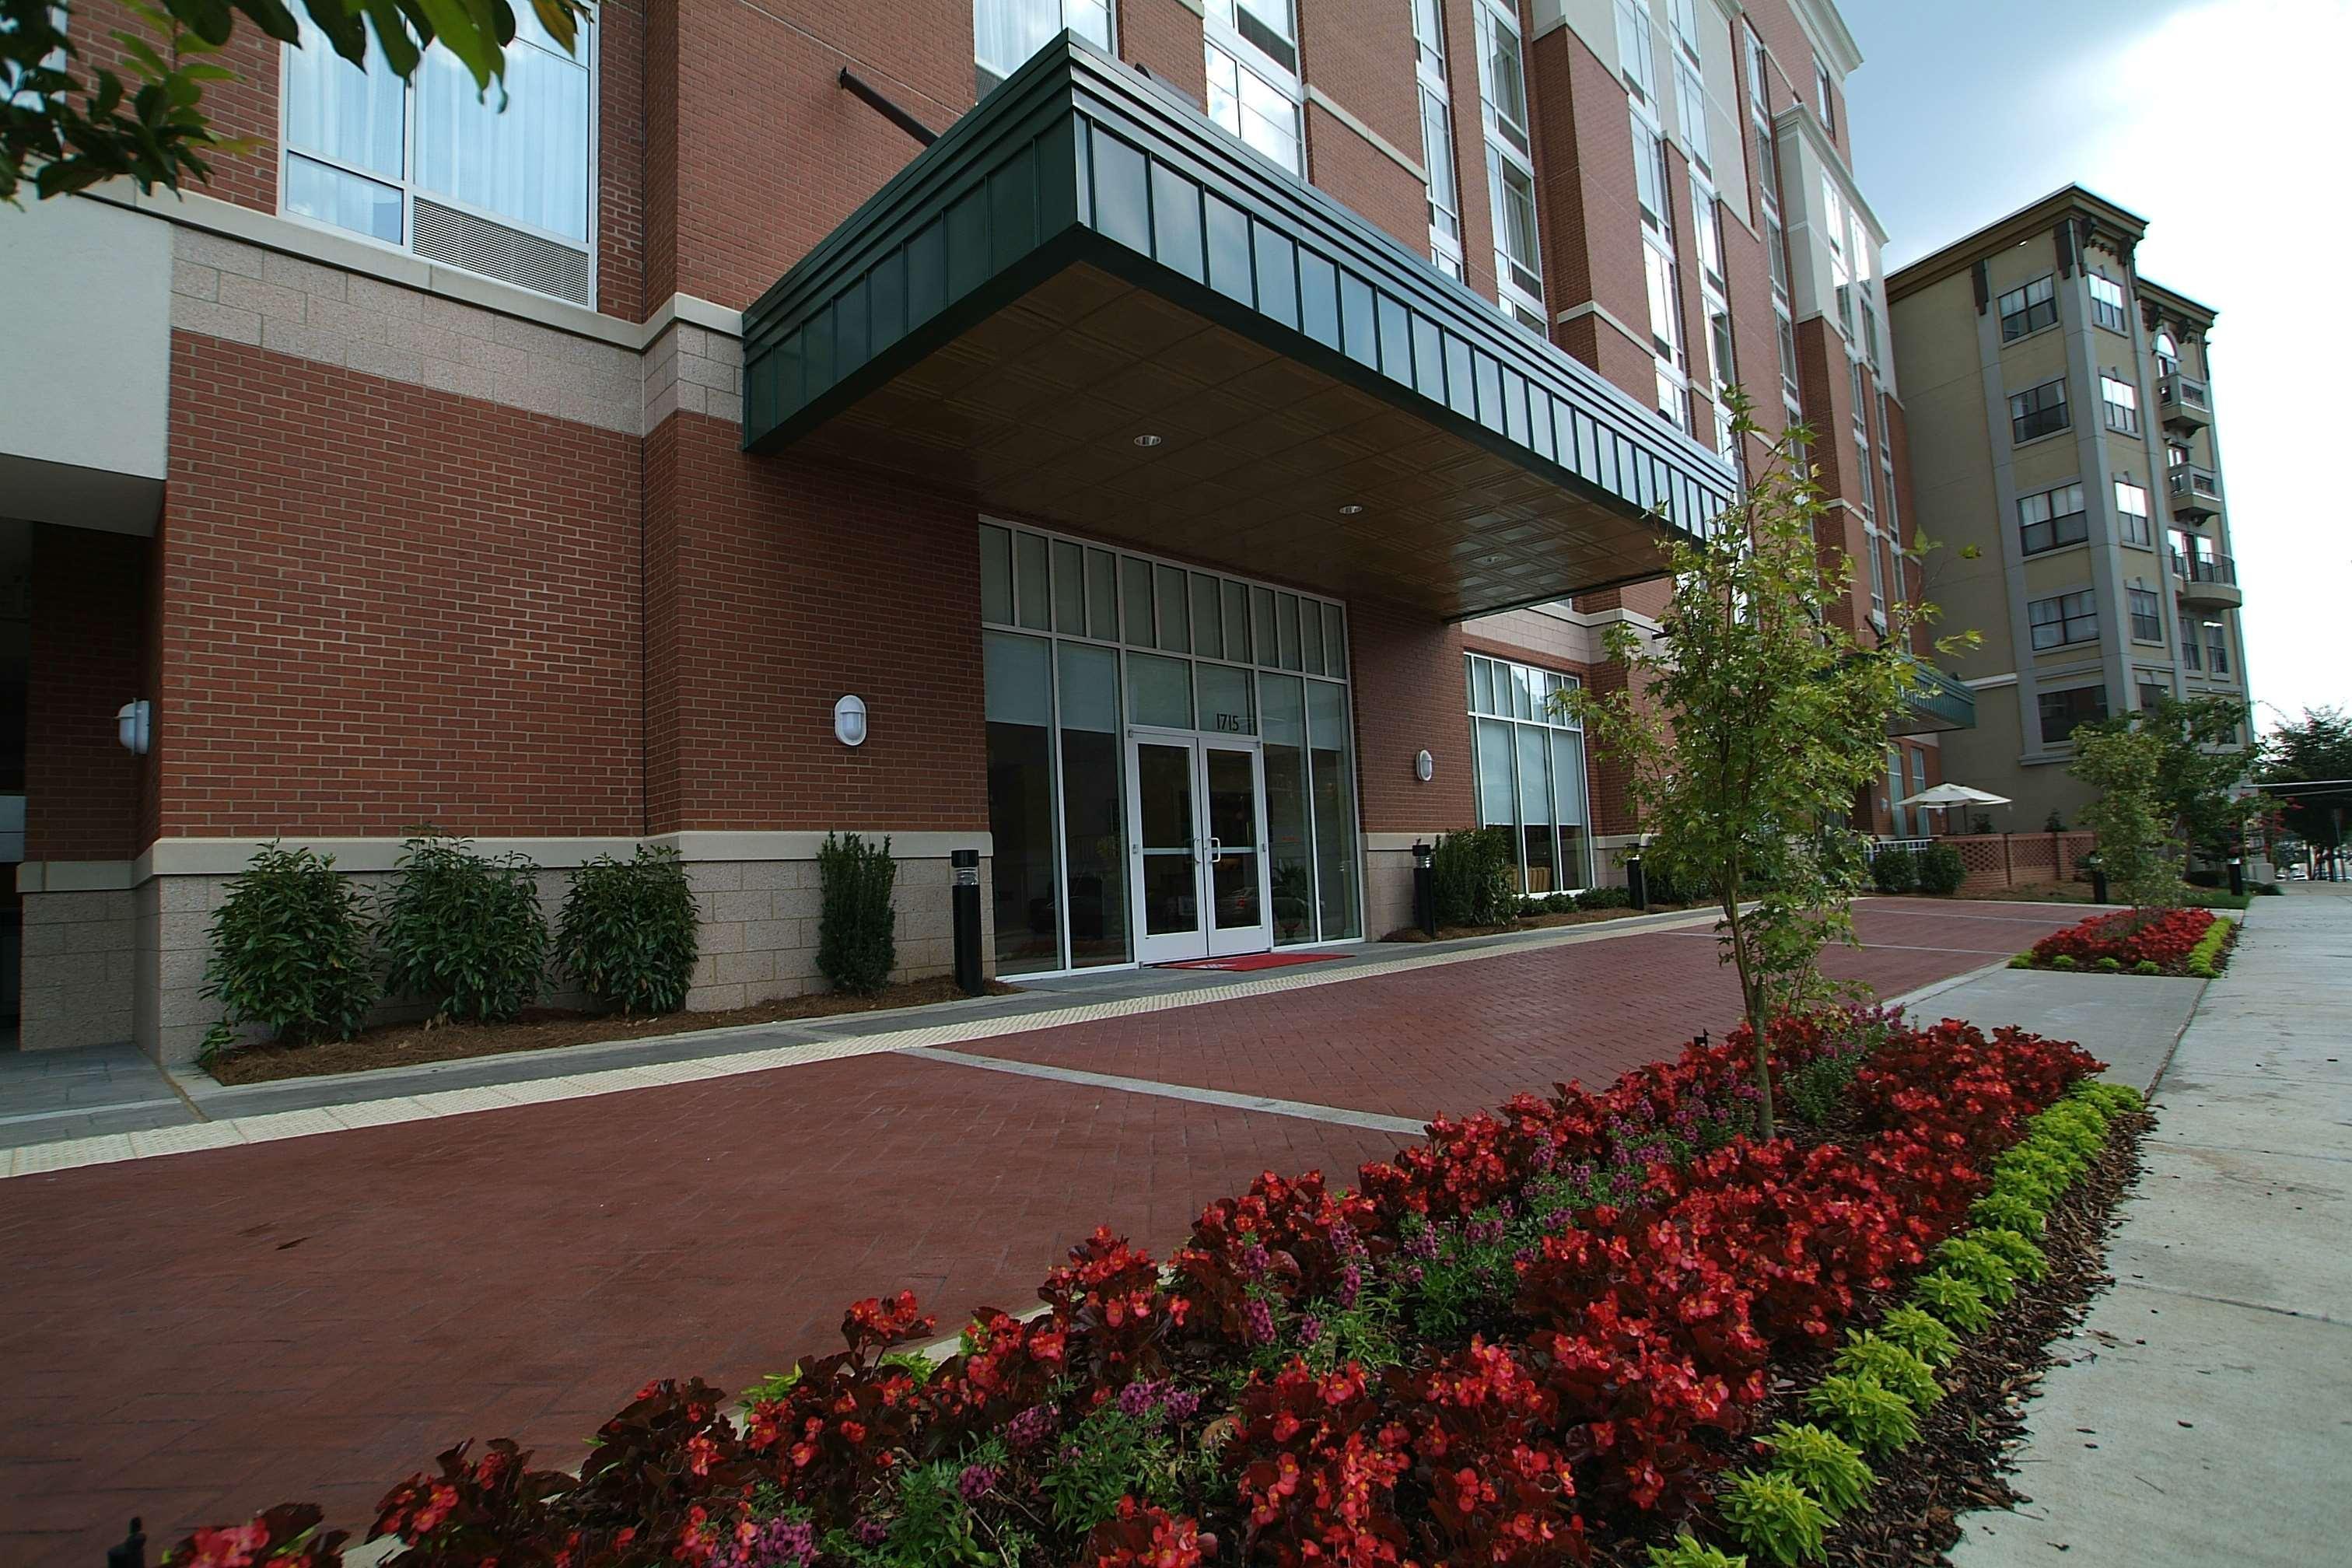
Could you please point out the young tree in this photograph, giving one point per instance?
(2126, 767)
(2317, 748)
(2199, 771)
(67, 123)
(1760, 720)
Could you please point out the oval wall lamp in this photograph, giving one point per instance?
(849, 721)
(1425, 766)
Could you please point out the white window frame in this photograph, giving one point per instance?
(2133, 526)
(1436, 102)
(2119, 405)
(587, 57)
(1222, 39)
(2110, 313)
(1509, 154)
(2029, 296)
(1637, 55)
(1828, 93)
(1527, 679)
(990, 77)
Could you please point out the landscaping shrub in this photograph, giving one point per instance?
(1474, 872)
(462, 932)
(1895, 871)
(628, 930)
(2127, 938)
(290, 950)
(1892, 1367)
(1774, 1518)
(1604, 898)
(857, 925)
(1559, 903)
(1828, 1466)
(1919, 1333)
(1686, 1552)
(2204, 960)
(1620, 1279)
(1941, 870)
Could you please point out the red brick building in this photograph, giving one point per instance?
(1200, 443)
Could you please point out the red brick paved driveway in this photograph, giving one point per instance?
(193, 1337)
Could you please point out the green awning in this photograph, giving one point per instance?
(1085, 261)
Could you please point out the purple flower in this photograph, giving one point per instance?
(1542, 1159)
(870, 1531)
(1423, 1243)
(977, 1481)
(779, 1543)
(1503, 1208)
(1351, 1282)
(1031, 1427)
(1261, 1324)
(1181, 1404)
(1343, 1238)
(1412, 1273)
(1310, 1329)
(1138, 1398)
(1255, 1261)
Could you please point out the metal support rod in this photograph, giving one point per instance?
(875, 99)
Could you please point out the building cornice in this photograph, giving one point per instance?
(1826, 30)
(2070, 204)
(2160, 301)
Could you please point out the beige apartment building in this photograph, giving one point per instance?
(2064, 457)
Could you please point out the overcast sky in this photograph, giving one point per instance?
(2223, 123)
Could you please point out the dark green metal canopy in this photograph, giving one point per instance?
(1083, 262)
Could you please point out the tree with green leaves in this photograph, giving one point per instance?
(2200, 769)
(2314, 752)
(1748, 727)
(2129, 812)
(68, 122)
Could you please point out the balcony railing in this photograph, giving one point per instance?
(2205, 568)
(2196, 488)
(2183, 392)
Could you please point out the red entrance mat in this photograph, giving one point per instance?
(1248, 960)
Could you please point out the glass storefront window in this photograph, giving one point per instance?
(1330, 768)
(1160, 690)
(1019, 709)
(1530, 771)
(1288, 833)
(1125, 640)
(1094, 805)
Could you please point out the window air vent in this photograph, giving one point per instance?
(494, 251)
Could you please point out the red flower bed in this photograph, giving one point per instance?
(2130, 937)
(1580, 1298)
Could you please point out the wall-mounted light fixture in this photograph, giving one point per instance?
(849, 721)
(1425, 766)
(133, 724)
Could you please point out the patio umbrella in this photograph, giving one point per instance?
(1954, 794)
(1945, 796)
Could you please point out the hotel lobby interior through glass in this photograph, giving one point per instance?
(1170, 769)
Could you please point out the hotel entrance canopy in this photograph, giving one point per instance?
(1087, 305)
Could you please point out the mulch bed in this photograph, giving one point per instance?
(548, 1028)
(1961, 1461)
(1531, 922)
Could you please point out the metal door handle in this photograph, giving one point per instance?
(1217, 849)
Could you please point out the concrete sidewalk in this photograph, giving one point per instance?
(2205, 1413)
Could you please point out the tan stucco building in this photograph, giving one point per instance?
(2064, 458)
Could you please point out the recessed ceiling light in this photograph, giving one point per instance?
(1149, 440)
(1350, 510)
(1488, 560)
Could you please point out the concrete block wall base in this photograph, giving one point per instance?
(126, 962)
(79, 968)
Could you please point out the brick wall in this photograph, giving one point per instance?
(1590, 211)
(88, 599)
(385, 604)
(1368, 71)
(621, 151)
(774, 588)
(245, 106)
(1408, 694)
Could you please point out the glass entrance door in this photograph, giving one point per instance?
(1166, 809)
(1233, 786)
(1199, 808)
